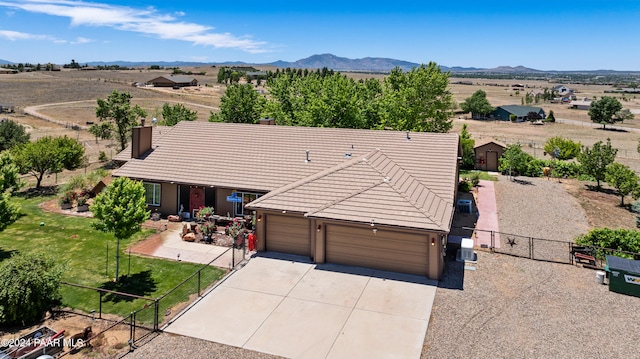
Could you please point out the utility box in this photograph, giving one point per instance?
(624, 275)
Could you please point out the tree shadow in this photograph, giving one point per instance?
(37, 192)
(615, 129)
(6, 254)
(595, 188)
(139, 284)
(522, 182)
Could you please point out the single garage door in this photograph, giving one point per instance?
(288, 235)
(386, 250)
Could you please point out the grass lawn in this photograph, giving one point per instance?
(483, 175)
(83, 250)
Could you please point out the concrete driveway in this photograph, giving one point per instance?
(286, 306)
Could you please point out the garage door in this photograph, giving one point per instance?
(386, 250)
(288, 235)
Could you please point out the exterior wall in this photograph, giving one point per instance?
(482, 154)
(168, 200)
(501, 114)
(222, 206)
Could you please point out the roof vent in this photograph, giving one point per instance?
(408, 137)
(347, 155)
(387, 180)
(307, 160)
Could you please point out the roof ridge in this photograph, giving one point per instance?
(404, 194)
(343, 165)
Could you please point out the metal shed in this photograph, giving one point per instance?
(624, 275)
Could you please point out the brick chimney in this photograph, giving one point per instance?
(141, 137)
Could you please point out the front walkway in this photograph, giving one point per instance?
(169, 244)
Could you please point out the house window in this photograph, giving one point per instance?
(238, 208)
(152, 193)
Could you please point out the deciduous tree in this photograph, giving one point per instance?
(514, 160)
(468, 155)
(48, 155)
(623, 179)
(240, 104)
(562, 148)
(121, 209)
(477, 104)
(29, 287)
(604, 111)
(117, 109)
(171, 115)
(595, 160)
(12, 134)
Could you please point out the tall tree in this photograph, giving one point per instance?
(11, 134)
(595, 160)
(514, 160)
(418, 100)
(467, 143)
(240, 104)
(121, 209)
(623, 179)
(604, 111)
(9, 180)
(171, 115)
(477, 104)
(117, 109)
(48, 155)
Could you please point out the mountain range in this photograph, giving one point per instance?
(333, 62)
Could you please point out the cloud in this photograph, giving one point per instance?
(146, 21)
(81, 40)
(15, 35)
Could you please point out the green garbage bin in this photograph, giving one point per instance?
(624, 275)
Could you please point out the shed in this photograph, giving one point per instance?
(624, 275)
(486, 154)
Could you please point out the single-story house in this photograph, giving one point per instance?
(174, 81)
(562, 90)
(521, 112)
(487, 152)
(379, 199)
(584, 104)
(4, 70)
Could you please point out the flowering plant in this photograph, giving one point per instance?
(67, 197)
(204, 213)
(207, 228)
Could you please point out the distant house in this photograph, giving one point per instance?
(504, 113)
(584, 104)
(174, 81)
(486, 153)
(7, 71)
(7, 107)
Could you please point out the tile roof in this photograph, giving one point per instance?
(486, 141)
(265, 158)
(368, 188)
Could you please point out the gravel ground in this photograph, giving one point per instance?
(171, 346)
(512, 307)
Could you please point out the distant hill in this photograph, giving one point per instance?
(344, 64)
(5, 62)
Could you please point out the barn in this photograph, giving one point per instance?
(377, 199)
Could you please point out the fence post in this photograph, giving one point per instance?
(493, 241)
(531, 248)
(131, 329)
(156, 319)
(571, 254)
(100, 312)
(199, 282)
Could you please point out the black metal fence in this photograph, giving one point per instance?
(549, 250)
(156, 311)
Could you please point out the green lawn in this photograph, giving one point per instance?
(483, 175)
(83, 250)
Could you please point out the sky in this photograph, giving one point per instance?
(544, 35)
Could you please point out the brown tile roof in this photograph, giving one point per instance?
(368, 188)
(486, 141)
(264, 158)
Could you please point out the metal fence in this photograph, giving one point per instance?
(155, 312)
(549, 250)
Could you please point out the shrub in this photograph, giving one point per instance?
(465, 185)
(67, 197)
(102, 157)
(475, 179)
(618, 239)
(9, 211)
(29, 289)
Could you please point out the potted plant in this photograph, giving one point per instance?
(207, 228)
(66, 201)
(81, 201)
(204, 213)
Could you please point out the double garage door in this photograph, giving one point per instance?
(386, 250)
